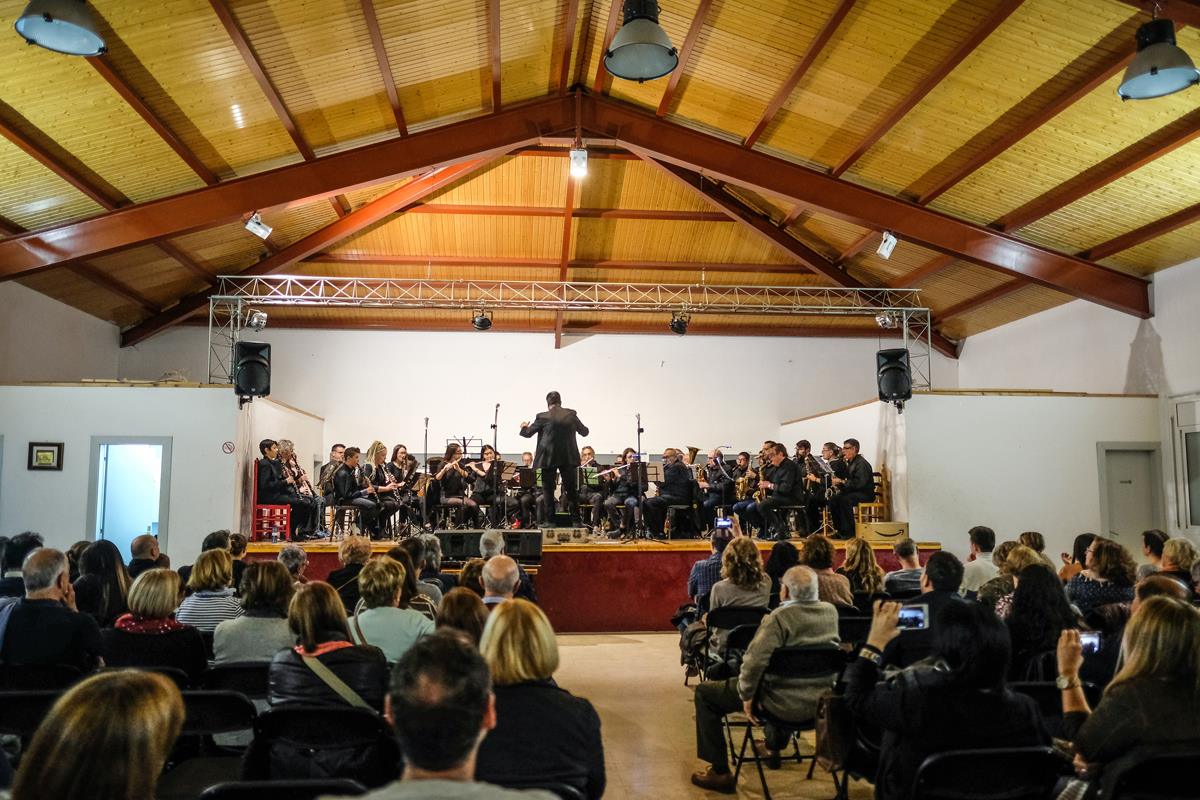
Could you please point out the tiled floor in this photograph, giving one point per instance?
(636, 684)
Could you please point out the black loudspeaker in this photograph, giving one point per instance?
(252, 369)
(892, 372)
(462, 545)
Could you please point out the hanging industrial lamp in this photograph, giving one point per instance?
(1160, 67)
(641, 51)
(64, 26)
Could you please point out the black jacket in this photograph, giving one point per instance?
(677, 483)
(556, 445)
(272, 488)
(361, 667)
(179, 649)
(46, 632)
(543, 733)
(345, 485)
(860, 478)
(911, 646)
(345, 582)
(720, 484)
(786, 477)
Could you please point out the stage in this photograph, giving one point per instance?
(600, 587)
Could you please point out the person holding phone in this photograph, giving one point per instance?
(939, 590)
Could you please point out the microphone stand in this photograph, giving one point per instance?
(640, 530)
(497, 465)
(425, 465)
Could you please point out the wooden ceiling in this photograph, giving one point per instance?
(425, 138)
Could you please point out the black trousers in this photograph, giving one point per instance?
(813, 504)
(774, 517)
(590, 497)
(708, 511)
(841, 508)
(715, 699)
(570, 493)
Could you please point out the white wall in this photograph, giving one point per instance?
(44, 340)
(199, 421)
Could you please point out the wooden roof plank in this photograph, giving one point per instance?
(570, 22)
(685, 52)
(599, 84)
(391, 259)
(102, 279)
(493, 23)
(385, 65)
(1145, 233)
(970, 304)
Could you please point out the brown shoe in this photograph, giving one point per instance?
(769, 757)
(722, 782)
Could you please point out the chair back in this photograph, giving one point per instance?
(810, 661)
(246, 677)
(297, 742)
(211, 712)
(21, 712)
(283, 790)
(1016, 773)
(207, 638)
(563, 791)
(739, 638)
(38, 676)
(853, 630)
(1164, 775)
(729, 617)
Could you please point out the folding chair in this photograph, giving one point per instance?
(725, 618)
(245, 677)
(196, 762)
(283, 790)
(38, 676)
(1009, 773)
(21, 712)
(1164, 775)
(1049, 700)
(853, 630)
(564, 791)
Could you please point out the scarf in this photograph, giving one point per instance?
(134, 624)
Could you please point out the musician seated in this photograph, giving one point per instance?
(745, 509)
(783, 489)
(621, 505)
(291, 468)
(486, 490)
(675, 490)
(858, 486)
(717, 486)
(452, 479)
(385, 487)
(403, 470)
(530, 501)
(276, 487)
(590, 488)
(818, 484)
(349, 490)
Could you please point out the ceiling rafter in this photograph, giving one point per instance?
(385, 65)
(685, 52)
(494, 60)
(570, 22)
(389, 259)
(1185, 12)
(930, 267)
(1144, 234)
(971, 303)
(855, 247)
(798, 72)
(564, 258)
(600, 83)
(664, 215)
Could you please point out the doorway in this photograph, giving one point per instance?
(129, 490)
(1131, 493)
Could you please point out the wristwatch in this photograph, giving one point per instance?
(1063, 682)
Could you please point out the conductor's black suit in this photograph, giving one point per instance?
(557, 452)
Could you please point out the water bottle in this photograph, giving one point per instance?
(274, 535)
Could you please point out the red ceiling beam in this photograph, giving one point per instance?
(368, 215)
(1144, 234)
(695, 268)
(1003, 290)
(665, 215)
(600, 84)
(798, 72)
(855, 247)
(494, 61)
(934, 265)
(385, 64)
(985, 28)
(685, 52)
(570, 22)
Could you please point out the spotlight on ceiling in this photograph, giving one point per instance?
(256, 226)
(679, 322)
(64, 26)
(257, 320)
(482, 321)
(886, 320)
(1160, 67)
(641, 51)
(578, 162)
(886, 245)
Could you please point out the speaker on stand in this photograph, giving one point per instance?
(894, 378)
(251, 370)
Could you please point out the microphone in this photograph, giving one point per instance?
(497, 406)
(427, 422)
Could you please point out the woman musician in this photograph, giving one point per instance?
(402, 469)
(454, 479)
(299, 479)
(487, 490)
(385, 486)
(624, 496)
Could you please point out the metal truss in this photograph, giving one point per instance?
(225, 320)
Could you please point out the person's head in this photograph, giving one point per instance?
(487, 453)
(1152, 544)
(380, 583)
(106, 738)
(943, 573)
(670, 455)
(155, 594)
(416, 551)
(800, 584)
(803, 448)
(743, 459)
(1162, 641)
(527, 459)
(1178, 554)
(46, 574)
(553, 399)
(294, 560)
(462, 610)
(471, 575)
(860, 562)
(237, 545)
(433, 551)
(518, 644)
(19, 547)
(817, 552)
(410, 590)
(287, 449)
(1040, 609)
(104, 560)
(1110, 561)
(830, 451)
(400, 455)
(500, 576)
(850, 449)
(783, 557)
(741, 563)
(1157, 586)
(376, 453)
(628, 455)
(1000, 555)
(1019, 558)
(974, 643)
(337, 453)
(983, 539)
(491, 543)
(316, 615)
(351, 457)
(715, 456)
(777, 454)
(440, 702)
(269, 448)
(1033, 540)
(586, 454)
(354, 550)
(74, 553)
(267, 587)
(1080, 546)
(720, 539)
(212, 571)
(217, 540)
(144, 547)
(906, 552)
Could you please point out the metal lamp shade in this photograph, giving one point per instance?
(1160, 67)
(641, 51)
(64, 26)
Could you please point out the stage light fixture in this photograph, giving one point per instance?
(641, 51)
(578, 162)
(64, 26)
(679, 322)
(1160, 66)
(886, 245)
(886, 320)
(257, 320)
(256, 226)
(482, 321)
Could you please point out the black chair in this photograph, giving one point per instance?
(21, 712)
(729, 659)
(726, 618)
(36, 677)
(853, 630)
(865, 601)
(196, 762)
(246, 677)
(1163, 775)
(177, 676)
(1017, 773)
(207, 638)
(1049, 700)
(283, 790)
(297, 742)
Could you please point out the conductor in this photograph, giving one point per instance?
(557, 453)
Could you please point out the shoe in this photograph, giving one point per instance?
(721, 782)
(769, 757)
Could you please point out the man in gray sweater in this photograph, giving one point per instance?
(801, 620)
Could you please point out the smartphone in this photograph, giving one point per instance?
(1091, 641)
(914, 618)
(724, 522)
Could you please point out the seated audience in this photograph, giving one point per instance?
(1152, 548)
(416, 553)
(15, 553)
(939, 590)
(501, 577)
(817, 553)
(1073, 563)
(801, 620)
(543, 733)
(908, 577)
(103, 583)
(1150, 704)
(1107, 576)
(1111, 620)
(237, 551)
(784, 555)
(380, 621)
(491, 543)
(318, 624)
(211, 601)
(979, 569)
(217, 540)
(105, 739)
(1039, 612)
(999, 590)
(441, 706)
(295, 561)
(1002, 584)
(432, 571)
(149, 635)
(743, 582)
(462, 610)
(962, 704)
(412, 596)
(707, 571)
(861, 568)
(471, 575)
(262, 631)
(1033, 540)
(146, 554)
(74, 553)
(353, 552)
(45, 628)
(1178, 557)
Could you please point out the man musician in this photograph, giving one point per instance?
(277, 487)
(745, 508)
(675, 490)
(717, 485)
(349, 491)
(292, 469)
(856, 486)
(783, 489)
(557, 452)
(590, 490)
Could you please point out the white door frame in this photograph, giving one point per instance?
(1158, 502)
(164, 484)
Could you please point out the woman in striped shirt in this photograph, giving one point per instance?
(211, 601)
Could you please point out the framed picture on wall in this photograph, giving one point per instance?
(45, 455)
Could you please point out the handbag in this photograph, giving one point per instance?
(835, 731)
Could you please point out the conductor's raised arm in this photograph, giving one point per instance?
(580, 427)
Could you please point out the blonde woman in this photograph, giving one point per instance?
(998, 592)
(149, 635)
(353, 552)
(211, 601)
(105, 739)
(380, 621)
(861, 568)
(385, 485)
(1178, 557)
(543, 732)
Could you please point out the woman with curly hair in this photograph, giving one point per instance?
(861, 568)
(743, 582)
(1039, 613)
(1107, 576)
(998, 592)
(832, 587)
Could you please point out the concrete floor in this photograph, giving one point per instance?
(648, 722)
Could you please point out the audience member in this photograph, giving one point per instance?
(1151, 702)
(149, 635)
(1152, 548)
(237, 550)
(462, 610)
(784, 555)
(295, 561)
(74, 553)
(412, 596)
(46, 628)
(441, 706)
(939, 589)
(500, 580)
(217, 540)
(1107, 576)
(861, 568)
(908, 578)
(353, 552)
(379, 621)
(1001, 595)
(416, 553)
(262, 631)
(707, 571)
(817, 553)
(1034, 541)
(491, 543)
(962, 704)
(1073, 563)
(15, 553)
(471, 575)
(103, 583)
(211, 601)
(801, 620)
(145, 552)
(1002, 584)
(1178, 557)
(980, 569)
(433, 564)
(543, 733)
(318, 623)
(1040, 612)
(104, 739)
(743, 582)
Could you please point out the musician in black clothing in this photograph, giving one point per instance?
(857, 486)
(487, 482)
(717, 486)
(675, 490)
(276, 488)
(590, 493)
(348, 490)
(386, 488)
(621, 505)
(454, 480)
(783, 489)
(529, 501)
(557, 452)
(404, 473)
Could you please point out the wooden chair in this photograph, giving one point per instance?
(268, 519)
(879, 509)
